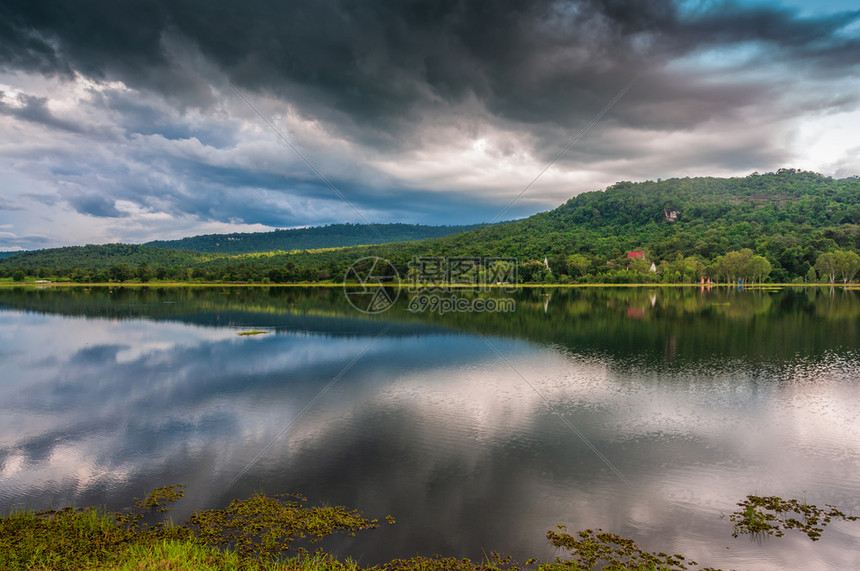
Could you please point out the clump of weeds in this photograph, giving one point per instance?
(770, 515)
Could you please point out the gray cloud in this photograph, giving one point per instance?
(6, 204)
(94, 205)
(34, 109)
(384, 64)
(12, 241)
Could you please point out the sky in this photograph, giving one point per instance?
(140, 120)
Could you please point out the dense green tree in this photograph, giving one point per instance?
(848, 264)
(579, 264)
(827, 265)
(757, 269)
(733, 265)
(119, 272)
(533, 272)
(144, 274)
(689, 269)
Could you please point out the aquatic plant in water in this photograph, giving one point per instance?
(160, 498)
(591, 549)
(771, 514)
(263, 527)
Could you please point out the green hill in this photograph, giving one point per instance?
(775, 225)
(789, 217)
(331, 236)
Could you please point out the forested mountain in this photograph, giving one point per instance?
(94, 261)
(331, 236)
(780, 227)
(789, 217)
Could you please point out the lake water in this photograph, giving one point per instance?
(647, 412)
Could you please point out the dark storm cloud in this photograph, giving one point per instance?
(731, 23)
(94, 205)
(93, 38)
(139, 116)
(385, 64)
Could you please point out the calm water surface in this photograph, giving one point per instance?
(450, 423)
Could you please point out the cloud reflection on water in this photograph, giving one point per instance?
(431, 426)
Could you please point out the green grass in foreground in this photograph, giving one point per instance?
(256, 533)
